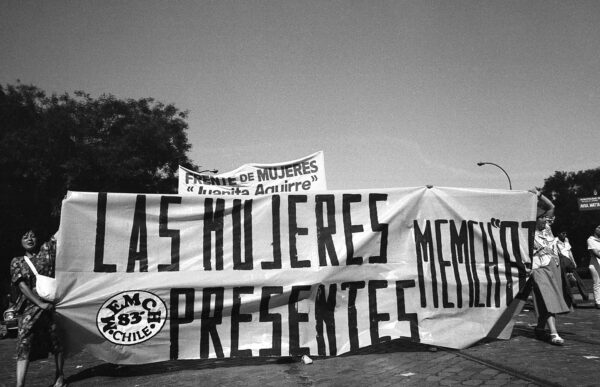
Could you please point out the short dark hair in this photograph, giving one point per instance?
(19, 232)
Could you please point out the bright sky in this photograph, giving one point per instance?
(396, 93)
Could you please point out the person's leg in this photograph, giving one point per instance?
(595, 270)
(22, 366)
(580, 286)
(552, 324)
(540, 311)
(567, 291)
(541, 323)
(25, 337)
(554, 336)
(59, 359)
(57, 349)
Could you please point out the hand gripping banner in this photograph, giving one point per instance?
(146, 278)
(305, 174)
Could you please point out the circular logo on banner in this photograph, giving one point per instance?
(131, 317)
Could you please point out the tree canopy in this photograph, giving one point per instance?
(53, 143)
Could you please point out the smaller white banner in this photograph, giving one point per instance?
(305, 174)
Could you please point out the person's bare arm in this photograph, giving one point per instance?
(33, 297)
(544, 205)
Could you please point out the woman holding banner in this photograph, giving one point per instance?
(547, 279)
(36, 316)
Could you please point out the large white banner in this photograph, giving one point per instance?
(305, 174)
(146, 278)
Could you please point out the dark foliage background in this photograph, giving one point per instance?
(50, 144)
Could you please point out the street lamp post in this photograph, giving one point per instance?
(496, 165)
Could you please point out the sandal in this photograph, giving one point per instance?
(555, 339)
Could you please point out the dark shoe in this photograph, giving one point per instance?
(597, 306)
(540, 333)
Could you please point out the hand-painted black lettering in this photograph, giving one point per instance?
(236, 319)
(248, 233)
(99, 265)
(378, 227)
(374, 316)
(236, 214)
(295, 230)
(459, 247)
(468, 263)
(513, 227)
(491, 265)
(424, 246)
(324, 313)
(412, 318)
(507, 266)
(352, 315)
(275, 318)
(443, 263)
(516, 251)
(213, 222)
(295, 318)
(174, 318)
(473, 261)
(208, 329)
(276, 264)
(325, 244)
(349, 228)
(165, 232)
(139, 237)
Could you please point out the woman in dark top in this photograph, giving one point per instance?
(36, 321)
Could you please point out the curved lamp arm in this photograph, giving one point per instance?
(496, 165)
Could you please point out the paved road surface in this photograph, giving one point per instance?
(520, 361)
